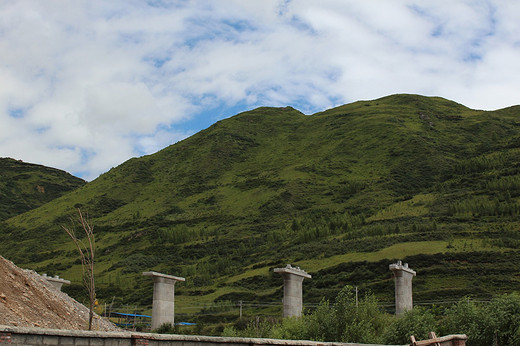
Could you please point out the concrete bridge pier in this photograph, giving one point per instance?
(292, 289)
(403, 287)
(163, 307)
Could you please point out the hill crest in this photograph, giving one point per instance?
(25, 186)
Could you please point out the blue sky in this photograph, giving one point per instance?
(87, 84)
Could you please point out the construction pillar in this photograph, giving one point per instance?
(292, 289)
(403, 287)
(163, 308)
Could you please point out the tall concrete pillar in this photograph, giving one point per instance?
(292, 289)
(403, 287)
(56, 281)
(163, 307)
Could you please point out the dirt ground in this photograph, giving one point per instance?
(28, 300)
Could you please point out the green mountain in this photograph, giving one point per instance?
(341, 193)
(25, 186)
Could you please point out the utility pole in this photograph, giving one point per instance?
(240, 309)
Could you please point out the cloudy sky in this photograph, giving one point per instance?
(88, 84)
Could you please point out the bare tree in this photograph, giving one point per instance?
(86, 249)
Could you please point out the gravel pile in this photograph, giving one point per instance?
(28, 300)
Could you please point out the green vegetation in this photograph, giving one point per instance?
(491, 323)
(342, 193)
(25, 186)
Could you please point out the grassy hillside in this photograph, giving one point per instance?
(25, 186)
(341, 193)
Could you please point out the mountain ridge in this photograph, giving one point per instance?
(24, 186)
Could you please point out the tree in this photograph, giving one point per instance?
(86, 249)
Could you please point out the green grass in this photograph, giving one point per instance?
(416, 207)
(403, 249)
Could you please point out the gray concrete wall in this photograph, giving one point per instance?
(16, 336)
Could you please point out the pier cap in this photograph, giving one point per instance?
(171, 277)
(288, 269)
(56, 279)
(403, 267)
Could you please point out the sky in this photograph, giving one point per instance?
(88, 84)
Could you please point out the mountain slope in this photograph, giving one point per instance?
(341, 193)
(25, 186)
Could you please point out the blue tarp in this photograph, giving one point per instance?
(146, 316)
(130, 315)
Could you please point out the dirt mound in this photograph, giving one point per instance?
(28, 300)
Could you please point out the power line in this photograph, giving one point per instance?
(230, 306)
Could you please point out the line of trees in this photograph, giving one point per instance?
(484, 206)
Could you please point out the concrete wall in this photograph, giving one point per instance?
(15, 336)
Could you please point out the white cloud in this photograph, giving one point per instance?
(85, 85)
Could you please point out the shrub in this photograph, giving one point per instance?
(493, 324)
(292, 328)
(504, 320)
(165, 328)
(343, 321)
(418, 322)
(467, 317)
(363, 322)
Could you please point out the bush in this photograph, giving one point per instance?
(493, 324)
(166, 328)
(291, 328)
(256, 328)
(320, 324)
(504, 320)
(363, 322)
(342, 321)
(230, 332)
(467, 317)
(418, 322)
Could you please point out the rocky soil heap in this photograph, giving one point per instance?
(28, 300)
